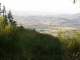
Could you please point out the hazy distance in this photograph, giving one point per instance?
(42, 6)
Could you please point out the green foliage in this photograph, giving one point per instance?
(10, 17)
(37, 46)
(18, 43)
(70, 45)
(4, 10)
(8, 41)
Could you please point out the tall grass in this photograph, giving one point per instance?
(8, 40)
(18, 43)
(37, 46)
(70, 45)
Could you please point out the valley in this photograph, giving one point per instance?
(50, 24)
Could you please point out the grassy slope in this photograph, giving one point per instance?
(18, 43)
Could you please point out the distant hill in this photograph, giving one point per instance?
(48, 23)
(53, 20)
(24, 13)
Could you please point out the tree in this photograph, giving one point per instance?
(10, 17)
(74, 1)
(4, 10)
(5, 22)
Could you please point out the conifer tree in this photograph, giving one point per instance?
(10, 17)
(5, 22)
(5, 19)
(4, 10)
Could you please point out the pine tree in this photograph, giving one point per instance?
(5, 21)
(10, 17)
(4, 10)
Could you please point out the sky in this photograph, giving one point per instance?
(52, 6)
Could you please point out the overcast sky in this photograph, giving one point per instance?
(57, 6)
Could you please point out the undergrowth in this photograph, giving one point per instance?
(18, 43)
